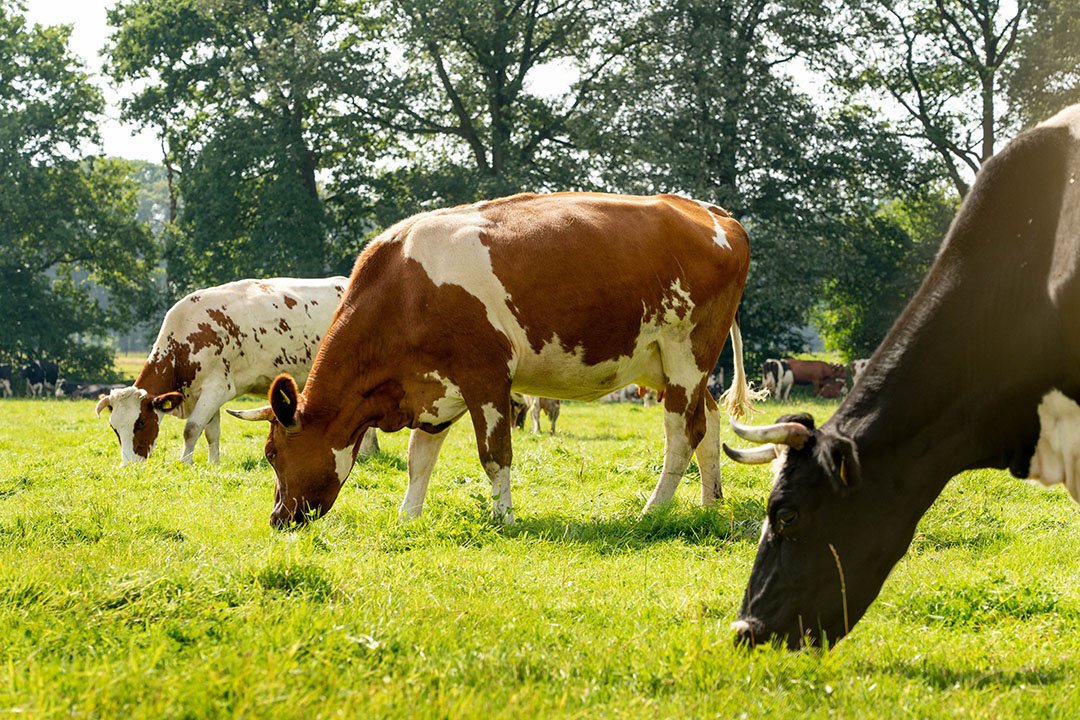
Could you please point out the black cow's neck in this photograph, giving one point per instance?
(957, 382)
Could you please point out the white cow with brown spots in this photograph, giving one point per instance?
(217, 344)
(568, 296)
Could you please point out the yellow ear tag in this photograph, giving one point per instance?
(285, 398)
(167, 405)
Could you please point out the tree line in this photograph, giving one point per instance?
(841, 133)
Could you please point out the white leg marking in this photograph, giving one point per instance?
(213, 437)
(676, 457)
(502, 509)
(491, 419)
(422, 454)
(708, 457)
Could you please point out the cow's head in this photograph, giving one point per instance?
(828, 540)
(309, 471)
(135, 417)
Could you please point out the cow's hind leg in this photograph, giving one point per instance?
(684, 428)
(369, 444)
(423, 452)
(708, 454)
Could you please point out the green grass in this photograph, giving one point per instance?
(161, 591)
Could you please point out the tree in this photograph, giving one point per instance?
(467, 122)
(246, 96)
(941, 62)
(1046, 75)
(708, 105)
(66, 224)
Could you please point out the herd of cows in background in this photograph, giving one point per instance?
(41, 378)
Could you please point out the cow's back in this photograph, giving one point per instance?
(578, 287)
(246, 332)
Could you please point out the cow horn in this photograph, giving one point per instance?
(789, 433)
(753, 456)
(262, 413)
(104, 401)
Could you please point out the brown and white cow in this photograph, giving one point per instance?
(217, 344)
(815, 372)
(569, 295)
(550, 406)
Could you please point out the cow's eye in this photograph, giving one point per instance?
(785, 518)
(139, 423)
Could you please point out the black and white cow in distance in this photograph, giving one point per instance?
(5, 380)
(848, 495)
(777, 378)
(215, 345)
(67, 388)
(40, 377)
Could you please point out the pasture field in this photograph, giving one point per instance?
(161, 591)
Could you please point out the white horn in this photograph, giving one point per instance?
(255, 414)
(103, 402)
(789, 433)
(753, 456)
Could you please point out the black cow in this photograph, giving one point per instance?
(5, 380)
(40, 376)
(67, 388)
(92, 392)
(848, 495)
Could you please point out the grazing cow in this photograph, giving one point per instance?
(40, 377)
(570, 296)
(777, 378)
(848, 495)
(833, 389)
(548, 405)
(217, 344)
(5, 380)
(716, 383)
(94, 391)
(815, 372)
(519, 408)
(66, 388)
(857, 369)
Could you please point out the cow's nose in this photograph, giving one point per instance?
(282, 519)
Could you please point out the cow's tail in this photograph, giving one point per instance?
(737, 399)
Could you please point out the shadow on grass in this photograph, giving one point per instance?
(726, 523)
(942, 677)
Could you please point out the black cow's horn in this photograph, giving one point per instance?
(789, 433)
(753, 456)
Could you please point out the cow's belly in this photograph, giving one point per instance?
(557, 373)
(1057, 454)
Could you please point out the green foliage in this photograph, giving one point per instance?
(119, 586)
(248, 99)
(1046, 76)
(880, 260)
(66, 224)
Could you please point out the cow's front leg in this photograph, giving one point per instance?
(205, 410)
(213, 438)
(491, 421)
(423, 452)
(708, 454)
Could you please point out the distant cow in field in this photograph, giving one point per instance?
(548, 405)
(67, 388)
(857, 368)
(217, 344)
(94, 391)
(40, 377)
(570, 296)
(5, 380)
(716, 383)
(777, 378)
(833, 389)
(815, 372)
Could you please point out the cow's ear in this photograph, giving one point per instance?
(169, 401)
(284, 400)
(840, 459)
